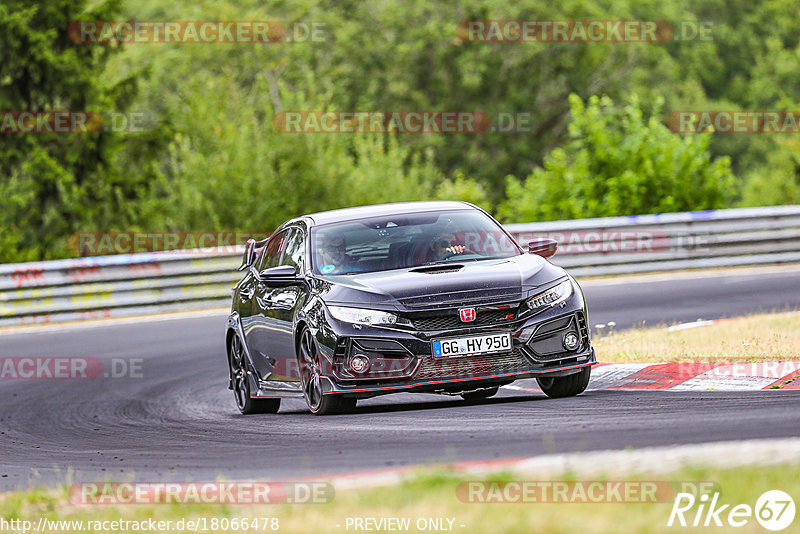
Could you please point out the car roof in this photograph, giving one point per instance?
(379, 210)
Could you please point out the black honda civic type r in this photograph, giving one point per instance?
(431, 297)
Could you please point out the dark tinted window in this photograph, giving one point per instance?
(294, 249)
(409, 240)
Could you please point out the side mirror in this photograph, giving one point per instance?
(249, 255)
(281, 273)
(544, 247)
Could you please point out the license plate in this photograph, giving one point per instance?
(471, 345)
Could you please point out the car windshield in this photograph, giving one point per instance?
(408, 240)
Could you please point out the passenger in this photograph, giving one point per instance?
(333, 258)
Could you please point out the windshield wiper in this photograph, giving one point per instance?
(453, 260)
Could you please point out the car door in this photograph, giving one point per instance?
(244, 291)
(261, 329)
(285, 301)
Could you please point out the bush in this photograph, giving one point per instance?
(617, 162)
(777, 182)
(462, 188)
(229, 169)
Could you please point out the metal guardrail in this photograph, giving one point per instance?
(113, 286)
(133, 284)
(671, 241)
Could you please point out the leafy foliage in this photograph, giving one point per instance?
(211, 160)
(619, 162)
(777, 181)
(55, 184)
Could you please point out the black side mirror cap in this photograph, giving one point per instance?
(544, 247)
(249, 255)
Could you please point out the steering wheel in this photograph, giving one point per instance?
(450, 253)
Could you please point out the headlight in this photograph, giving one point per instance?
(361, 316)
(552, 296)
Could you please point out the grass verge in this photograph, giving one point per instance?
(435, 496)
(756, 338)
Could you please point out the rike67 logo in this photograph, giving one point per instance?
(774, 510)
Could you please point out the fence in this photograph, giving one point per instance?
(672, 241)
(133, 284)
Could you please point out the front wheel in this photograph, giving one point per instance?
(311, 381)
(565, 386)
(240, 385)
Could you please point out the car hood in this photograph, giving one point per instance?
(451, 284)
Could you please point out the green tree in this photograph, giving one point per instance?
(619, 162)
(54, 184)
(229, 169)
(777, 181)
(212, 160)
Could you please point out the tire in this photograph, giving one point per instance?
(347, 404)
(480, 394)
(565, 386)
(311, 381)
(237, 365)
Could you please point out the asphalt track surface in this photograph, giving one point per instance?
(178, 421)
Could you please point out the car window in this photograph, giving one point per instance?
(271, 255)
(409, 240)
(294, 249)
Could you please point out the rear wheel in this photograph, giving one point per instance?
(480, 394)
(565, 386)
(311, 381)
(237, 363)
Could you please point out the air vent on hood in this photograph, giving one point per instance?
(437, 269)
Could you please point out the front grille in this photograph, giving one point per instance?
(472, 366)
(451, 320)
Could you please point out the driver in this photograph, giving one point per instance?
(333, 258)
(443, 246)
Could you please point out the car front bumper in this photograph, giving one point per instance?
(401, 357)
(465, 374)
